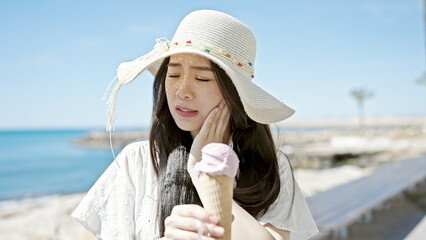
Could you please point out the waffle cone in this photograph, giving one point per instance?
(216, 195)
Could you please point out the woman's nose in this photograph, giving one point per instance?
(184, 89)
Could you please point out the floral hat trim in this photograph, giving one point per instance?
(245, 65)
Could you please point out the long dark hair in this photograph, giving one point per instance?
(258, 180)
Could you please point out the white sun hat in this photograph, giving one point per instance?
(224, 40)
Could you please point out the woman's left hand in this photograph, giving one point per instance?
(214, 130)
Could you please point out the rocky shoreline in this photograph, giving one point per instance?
(100, 139)
(319, 146)
(352, 152)
(365, 147)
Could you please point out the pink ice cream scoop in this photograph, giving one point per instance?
(218, 159)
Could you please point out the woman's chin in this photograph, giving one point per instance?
(188, 128)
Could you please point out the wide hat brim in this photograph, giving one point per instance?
(258, 104)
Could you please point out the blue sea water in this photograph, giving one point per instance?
(39, 163)
(42, 163)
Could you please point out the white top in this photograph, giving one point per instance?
(122, 203)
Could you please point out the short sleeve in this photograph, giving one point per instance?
(107, 210)
(294, 217)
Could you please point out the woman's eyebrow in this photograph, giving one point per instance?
(202, 68)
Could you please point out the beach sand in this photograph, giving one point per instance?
(49, 218)
(42, 219)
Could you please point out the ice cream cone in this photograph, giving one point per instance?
(216, 195)
(216, 172)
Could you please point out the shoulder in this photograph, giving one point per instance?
(137, 146)
(134, 157)
(283, 160)
(107, 209)
(134, 152)
(290, 211)
(287, 181)
(285, 169)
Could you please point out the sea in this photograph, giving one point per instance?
(42, 163)
(38, 164)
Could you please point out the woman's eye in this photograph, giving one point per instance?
(202, 80)
(199, 79)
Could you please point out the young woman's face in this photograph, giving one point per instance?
(192, 91)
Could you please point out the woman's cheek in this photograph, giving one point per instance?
(168, 91)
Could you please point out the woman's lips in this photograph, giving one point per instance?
(186, 112)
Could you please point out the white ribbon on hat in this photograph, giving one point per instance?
(127, 72)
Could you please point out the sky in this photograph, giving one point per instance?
(58, 57)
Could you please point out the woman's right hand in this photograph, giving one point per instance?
(215, 129)
(186, 221)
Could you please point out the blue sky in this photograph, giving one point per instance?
(57, 57)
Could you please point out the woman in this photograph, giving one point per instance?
(202, 94)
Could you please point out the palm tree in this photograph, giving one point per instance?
(360, 95)
(422, 79)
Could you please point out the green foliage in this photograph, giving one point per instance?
(422, 79)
